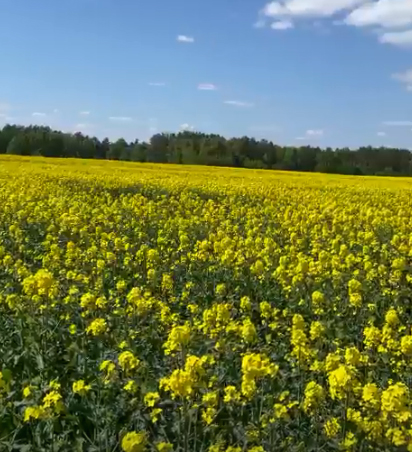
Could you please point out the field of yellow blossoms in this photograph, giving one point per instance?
(193, 309)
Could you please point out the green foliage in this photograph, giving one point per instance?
(194, 148)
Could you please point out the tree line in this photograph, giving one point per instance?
(197, 148)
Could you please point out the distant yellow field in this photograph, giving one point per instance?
(154, 307)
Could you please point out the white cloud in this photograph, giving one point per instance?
(84, 113)
(311, 134)
(37, 114)
(381, 134)
(157, 84)
(308, 8)
(56, 110)
(207, 87)
(4, 106)
(184, 38)
(187, 127)
(238, 103)
(120, 118)
(399, 38)
(314, 133)
(404, 77)
(398, 123)
(83, 126)
(282, 25)
(383, 13)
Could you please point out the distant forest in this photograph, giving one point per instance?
(196, 148)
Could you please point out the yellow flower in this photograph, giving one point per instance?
(332, 427)
(151, 398)
(280, 411)
(349, 441)
(180, 383)
(314, 396)
(27, 392)
(406, 345)
(255, 366)
(208, 415)
(128, 361)
(354, 416)
(55, 385)
(131, 386)
(97, 327)
(109, 368)
(53, 401)
(80, 387)
(220, 289)
(33, 412)
(394, 402)
(211, 398)
(134, 442)
(391, 317)
(341, 381)
(249, 333)
(352, 356)
(316, 330)
(317, 298)
(371, 395)
(179, 336)
(245, 304)
(155, 414)
(164, 447)
(231, 395)
(396, 436)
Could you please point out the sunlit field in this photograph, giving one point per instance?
(198, 309)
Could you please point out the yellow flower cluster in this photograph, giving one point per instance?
(161, 307)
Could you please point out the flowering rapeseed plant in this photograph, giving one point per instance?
(164, 308)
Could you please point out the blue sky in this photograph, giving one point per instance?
(324, 72)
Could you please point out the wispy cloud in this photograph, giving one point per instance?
(207, 87)
(314, 133)
(382, 13)
(84, 113)
(38, 114)
(381, 134)
(187, 127)
(399, 38)
(311, 134)
(387, 15)
(238, 103)
(120, 118)
(83, 126)
(184, 38)
(157, 84)
(306, 8)
(392, 18)
(282, 25)
(404, 77)
(398, 123)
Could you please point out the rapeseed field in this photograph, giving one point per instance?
(174, 308)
